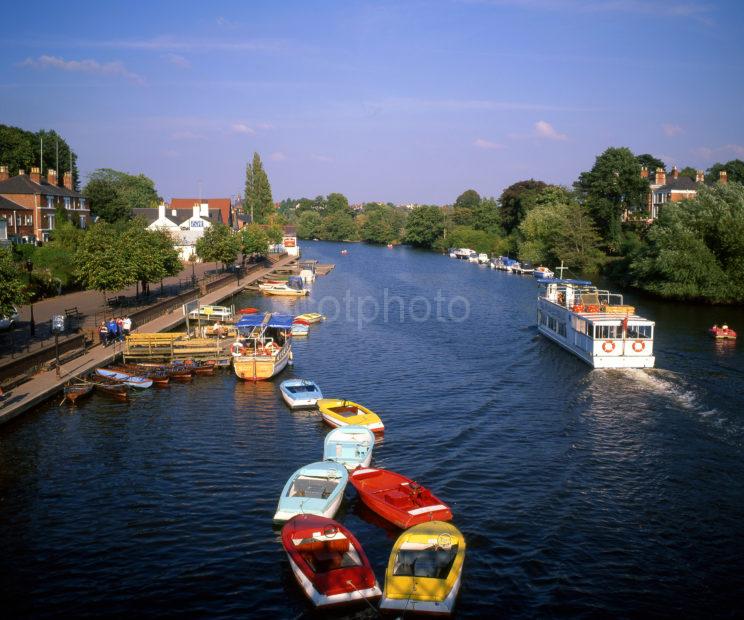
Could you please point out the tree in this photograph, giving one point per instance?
(254, 240)
(13, 291)
(486, 216)
(424, 225)
(150, 252)
(378, 227)
(102, 260)
(218, 244)
(695, 250)
(338, 226)
(512, 209)
(308, 225)
(651, 162)
(113, 194)
(734, 171)
(463, 213)
(258, 201)
(337, 203)
(612, 185)
(21, 149)
(58, 254)
(688, 171)
(275, 233)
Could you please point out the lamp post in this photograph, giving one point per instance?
(30, 268)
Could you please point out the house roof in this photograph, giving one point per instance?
(22, 184)
(9, 205)
(151, 214)
(219, 208)
(682, 183)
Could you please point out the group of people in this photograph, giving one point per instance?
(115, 329)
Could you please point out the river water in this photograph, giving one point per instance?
(581, 493)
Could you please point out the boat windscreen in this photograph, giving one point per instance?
(346, 411)
(315, 488)
(300, 389)
(433, 562)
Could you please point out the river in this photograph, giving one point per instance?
(581, 493)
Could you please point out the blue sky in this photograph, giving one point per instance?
(397, 101)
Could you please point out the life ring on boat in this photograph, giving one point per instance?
(608, 346)
(592, 308)
(577, 308)
(237, 349)
(639, 346)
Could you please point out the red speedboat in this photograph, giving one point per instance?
(248, 311)
(328, 561)
(398, 499)
(722, 332)
(300, 322)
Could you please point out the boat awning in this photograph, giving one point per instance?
(565, 281)
(282, 321)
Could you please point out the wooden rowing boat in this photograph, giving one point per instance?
(77, 391)
(113, 389)
(159, 377)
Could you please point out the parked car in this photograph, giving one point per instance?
(6, 322)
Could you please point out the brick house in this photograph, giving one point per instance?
(674, 188)
(29, 202)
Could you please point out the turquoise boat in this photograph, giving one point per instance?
(351, 446)
(315, 489)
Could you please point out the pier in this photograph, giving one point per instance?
(47, 383)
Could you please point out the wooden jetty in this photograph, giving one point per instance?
(174, 347)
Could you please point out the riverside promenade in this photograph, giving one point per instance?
(47, 383)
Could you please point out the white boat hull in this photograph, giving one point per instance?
(323, 600)
(299, 403)
(329, 511)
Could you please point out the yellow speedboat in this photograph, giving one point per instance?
(337, 412)
(311, 317)
(424, 570)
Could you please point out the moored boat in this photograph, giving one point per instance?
(310, 317)
(349, 445)
(317, 489)
(263, 348)
(77, 391)
(338, 412)
(594, 325)
(293, 287)
(398, 499)
(159, 377)
(299, 330)
(542, 272)
(113, 389)
(328, 561)
(724, 332)
(298, 393)
(126, 378)
(424, 572)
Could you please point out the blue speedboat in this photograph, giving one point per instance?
(349, 445)
(299, 393)
(315, 489)
(298, 329)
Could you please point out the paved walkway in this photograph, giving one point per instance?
(46, 384)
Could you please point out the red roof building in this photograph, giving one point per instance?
(219, 208)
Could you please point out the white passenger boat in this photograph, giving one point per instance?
(463, 253)
(594, 325)
(483, 258)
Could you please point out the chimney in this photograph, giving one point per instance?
(4, 174)
(699, 176)
(723, 177)
(67, 180)
(52, 176)
(644, 172)
(196, 210)
(161, 211)
(675, 172)
(35, 175)
(660, 176)
(204, 211)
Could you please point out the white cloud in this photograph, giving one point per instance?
(177, 60)
(265, 126)
(487, 144)
(671, 130)
(727, 150)
(543, 129)
(242, 128)
(278, 156)
(115, 69)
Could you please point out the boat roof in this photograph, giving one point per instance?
(294, 382)
(594, 317)
(322, 469)
(282, 321)
(565, 281)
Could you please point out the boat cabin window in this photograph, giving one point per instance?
(640, 331)
(433, 562)
(300, 389)
(605, 332)
(346, 411)
(316, 488)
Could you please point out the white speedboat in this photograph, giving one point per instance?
(349, 445)
(483, 258)
(542, 272)
(315, 489)
(298, 393)
(473, 257)
(594, 325)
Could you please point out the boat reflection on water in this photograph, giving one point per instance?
(256, 403)
(361, 510)
(724, 347)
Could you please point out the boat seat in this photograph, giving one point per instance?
(334, 545)
(589, 299)
(399, 499)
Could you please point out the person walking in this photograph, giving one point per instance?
(111, 330)
(120, 329)
(126, 326)
(103, 333)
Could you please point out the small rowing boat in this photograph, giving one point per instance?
(299, 330)
(724, 332)
(315, 489)
(310, 317)
(337, 412)
(159, 377)
(349, 445)
(425, 569)
(398, 499)
(298, 393)
(125, 377)
(113, 389)
(328, 562)
(77, 391)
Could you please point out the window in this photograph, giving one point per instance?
(82, 221)
(640, 331)
(50, 202)
(606, 332)
(82, 203)
(3, 230)
(67, 202)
